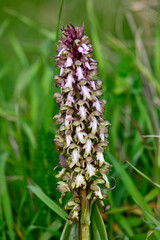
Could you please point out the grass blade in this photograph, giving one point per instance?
(55, 226)
(129, 184)
(59, 19)
(70, 232)
(30, 23)
(5, 196)
(157, 55)
(133, 191)
(46, 200)
(143, 175)
(19, 50)
(98, 230)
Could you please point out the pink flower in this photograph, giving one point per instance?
(100, 157)
(69, 81)
(82, 112)
(79, 73)
(93, 125)
(97, 105)
(80, 134)
(90, 170)
(69, 100)
(68, 140)
(85, 92)
(81, 50)
(87, 65)
(79, 180)
(88, 146)
(93, 85)
(69, 62)
(75, 157)
(106, 180)
(60, 52)
(102, 136)
(86, 48)
(61, 71)
(68, 119)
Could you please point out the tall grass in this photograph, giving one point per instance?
(129, 65)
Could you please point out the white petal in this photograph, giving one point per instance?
(88, 146)
(67, 120)
(61, 71)
(81, 135)
(93, 85)
(68, 139)
(79, 180)
(69, 81)
(86, 48)
(106, 180)
(100, 157)
(97, 105)
(60, 52)
(68, 62)
(81, 50)
(90, 170)
(75, 156)
(82, 112)
(70, 100)
(60, 173)
(87, 65)
(94, 125)
(102, 136)
(99, 194)
(79, 73)
(85, 92)
(75, 214)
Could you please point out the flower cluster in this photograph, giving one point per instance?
(82, 136)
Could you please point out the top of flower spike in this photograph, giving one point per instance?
(82, 136)
(72, 33)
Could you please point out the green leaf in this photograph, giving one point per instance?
(98, 230)
(45, 32)
(70, 232)
(143, 175)
(129, 184)
(157, 54)
(132, 190)
(4, 195)
(53, 227)
(19, 50)
(49, 202)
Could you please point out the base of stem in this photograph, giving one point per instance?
(84, 222)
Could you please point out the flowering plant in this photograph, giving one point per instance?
(82, 136)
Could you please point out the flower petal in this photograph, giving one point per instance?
(79, 73)
(69, 62)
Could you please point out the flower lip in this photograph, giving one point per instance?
(79, 73)
(69, 62)
(69, 81)
(90, 170)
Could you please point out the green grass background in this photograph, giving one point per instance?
(126, 39)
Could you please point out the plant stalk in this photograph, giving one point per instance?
(84, 222)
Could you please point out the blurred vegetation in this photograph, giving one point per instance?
(126, 38)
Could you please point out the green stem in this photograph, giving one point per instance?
(84, 223)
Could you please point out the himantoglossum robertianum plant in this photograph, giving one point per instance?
(82, 136)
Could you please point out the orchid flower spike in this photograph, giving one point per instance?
(82, 136)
